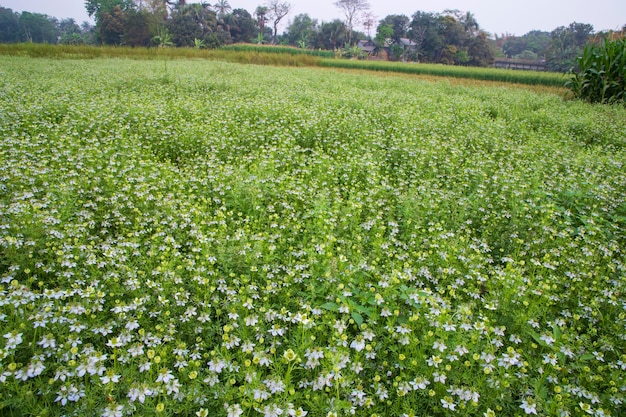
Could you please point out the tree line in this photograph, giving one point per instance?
(450, 37)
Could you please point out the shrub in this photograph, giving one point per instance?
(602, 73)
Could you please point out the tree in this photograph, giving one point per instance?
(195, 21)
(96, 7)
(242, 26)
(223, 8)
(567, 45)
(68, 26)
(399, 24)
(332, 35)
(9, 26)
(277, 10)
(38, 28)
(514, 46)
(468, 20)
(369, 21)
(137, 28)
(537, 42)
(70, 33)
(302, 30)
(352, 10)
(261, 18)
(109, 15)
(479, 50)
(425, 32)
(111, 26)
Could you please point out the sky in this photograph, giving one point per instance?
(495, 16)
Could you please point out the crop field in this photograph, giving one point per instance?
(198, 238)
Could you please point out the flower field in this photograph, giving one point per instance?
(200, 238)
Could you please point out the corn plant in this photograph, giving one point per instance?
(602, 74)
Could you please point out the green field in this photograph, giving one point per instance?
(200, 238)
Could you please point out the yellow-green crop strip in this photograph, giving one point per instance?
(203, 238)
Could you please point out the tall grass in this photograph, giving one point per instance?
(90, 52)
(278, 50)
(486, 74)
(281, 56)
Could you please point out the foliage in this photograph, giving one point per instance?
(241, 25)
(276, 11)
(535, 41)
(601, 77)
(95, 8)
(163, 38)
(487, 74)
(205, 238)
(275, 49)
(567, 45)
(399, 25)
(352, 10)
(194, 21)
(332, 35)
(9, 26)
(302, 28)
(111, 26)
(38, 28)
(449, 38)
(137, 28)
(223, 8)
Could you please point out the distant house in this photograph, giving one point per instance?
(520, 64)
(367, 45)
(407, 45)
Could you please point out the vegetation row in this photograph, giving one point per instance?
(281, 56)
(195, 238)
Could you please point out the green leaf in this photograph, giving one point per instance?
(364, 310)
(537, 338)
(556, 332)
(586, 357)
(330, 307)
(357, 318)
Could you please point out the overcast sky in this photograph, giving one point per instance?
(495, 16)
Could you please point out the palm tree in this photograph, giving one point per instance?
(261, 15)
(222, 7)
(469, 23)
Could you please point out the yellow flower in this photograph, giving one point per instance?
(160, 407)
(290, 355)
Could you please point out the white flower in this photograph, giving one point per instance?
(47, 341)
(13, 339)
(439, 346)
(110, 377)
(358, 344)
(529, 406)
(437, 377)
(297, 413)
(165, 376)
(272, 410)
(275, 385)
(113, 410)
(233, 410)
(448, 403)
